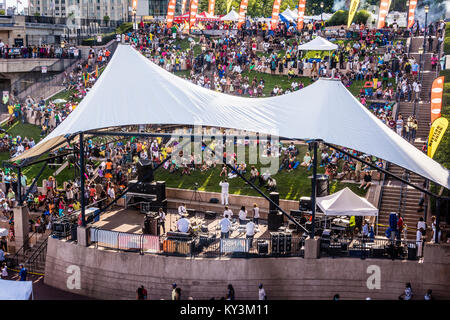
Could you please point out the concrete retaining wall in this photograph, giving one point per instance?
(117, 275)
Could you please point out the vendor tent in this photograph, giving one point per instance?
(324, 110)
(230, 16)
(181, 18)
(16, 290)
(318, 44)
(3, 232)
(346, 203)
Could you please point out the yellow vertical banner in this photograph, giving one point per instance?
(351, 13)
(437, 131)
(229, 2)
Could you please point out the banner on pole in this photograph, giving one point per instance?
(242, 13)
(384, 9)
(437, 90)
(411, 12)
(351, 13)
(301, 14)
(211, 5)
(193, 13)
(275, 14)
(437, 131)
(170, 12)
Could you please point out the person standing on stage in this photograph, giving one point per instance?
(225, 186)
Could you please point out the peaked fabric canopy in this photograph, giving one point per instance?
(346, 203)
(230, 16)
(133, 90)
(318, 44)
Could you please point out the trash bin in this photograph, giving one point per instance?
(412, 251)
(73, 232)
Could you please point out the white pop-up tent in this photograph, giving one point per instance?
(16, 290)
(318, 44)
(230, 16)
(133, 90)
(3, 232)
(346, 203)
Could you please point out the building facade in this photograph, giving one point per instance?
(116, 10)
(156, 8)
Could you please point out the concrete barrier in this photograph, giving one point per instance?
(117, 275)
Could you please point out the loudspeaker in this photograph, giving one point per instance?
(274, 220)
(210, 215)
(305, 204)
(296, 213)
(145, 170)
(263, 247)
(161, 190)
(275, 197)
(322, 186)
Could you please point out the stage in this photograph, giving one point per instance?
(132, 221)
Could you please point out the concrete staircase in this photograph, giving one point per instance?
(398, 197)
(34, 257)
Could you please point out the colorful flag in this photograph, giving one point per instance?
(301, 14)
(193, 13)
(275, 13)
(437, 131)
(242, 13)
(171, 12)
(437, 90)
(211, 5)
(351, 13)
(384, 9)
(411, 11)
(229, 3)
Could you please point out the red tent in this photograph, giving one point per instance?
(204, 16)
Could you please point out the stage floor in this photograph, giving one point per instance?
(132, 221)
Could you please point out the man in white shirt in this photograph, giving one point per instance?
(250, 226)
(225, 186)
(225, 225)
(162, 219)
(227, 213)
(262, 293)
(183, 225)
(182, 209)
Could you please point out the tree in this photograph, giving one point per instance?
(2, 12)
(106, 19)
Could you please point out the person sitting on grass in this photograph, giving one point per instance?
(271, 184)
(307, 161)
(367, 180)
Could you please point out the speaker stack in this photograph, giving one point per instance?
(157, 189)
(281, 242)
(275, 218)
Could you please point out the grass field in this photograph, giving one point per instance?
(291, 185)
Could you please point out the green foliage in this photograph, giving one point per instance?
(447, 39)
(2, 12)
(442, 154)
(106, 19)
(93, 41)
(340, 17)
(361, 17)
(124, 27)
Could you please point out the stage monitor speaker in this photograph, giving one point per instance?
(275, 197)
(322, 185)
(274, 220)
(145, 170)
(305, 204)
(161, 190)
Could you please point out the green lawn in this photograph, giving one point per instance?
(291, 185)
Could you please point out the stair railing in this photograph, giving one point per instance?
(37, 256)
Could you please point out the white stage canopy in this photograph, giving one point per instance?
(133, 90)
(3, 232)
(346, 203)
(230, 16)
(318, 44)
(16, 290)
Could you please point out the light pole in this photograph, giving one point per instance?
(425, 31)
(321, 11)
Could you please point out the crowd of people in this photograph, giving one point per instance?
(46, 51)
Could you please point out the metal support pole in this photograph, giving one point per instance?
(19, 185)
(438, 219)
(35, 180)
(82, 180)
(314, 191)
